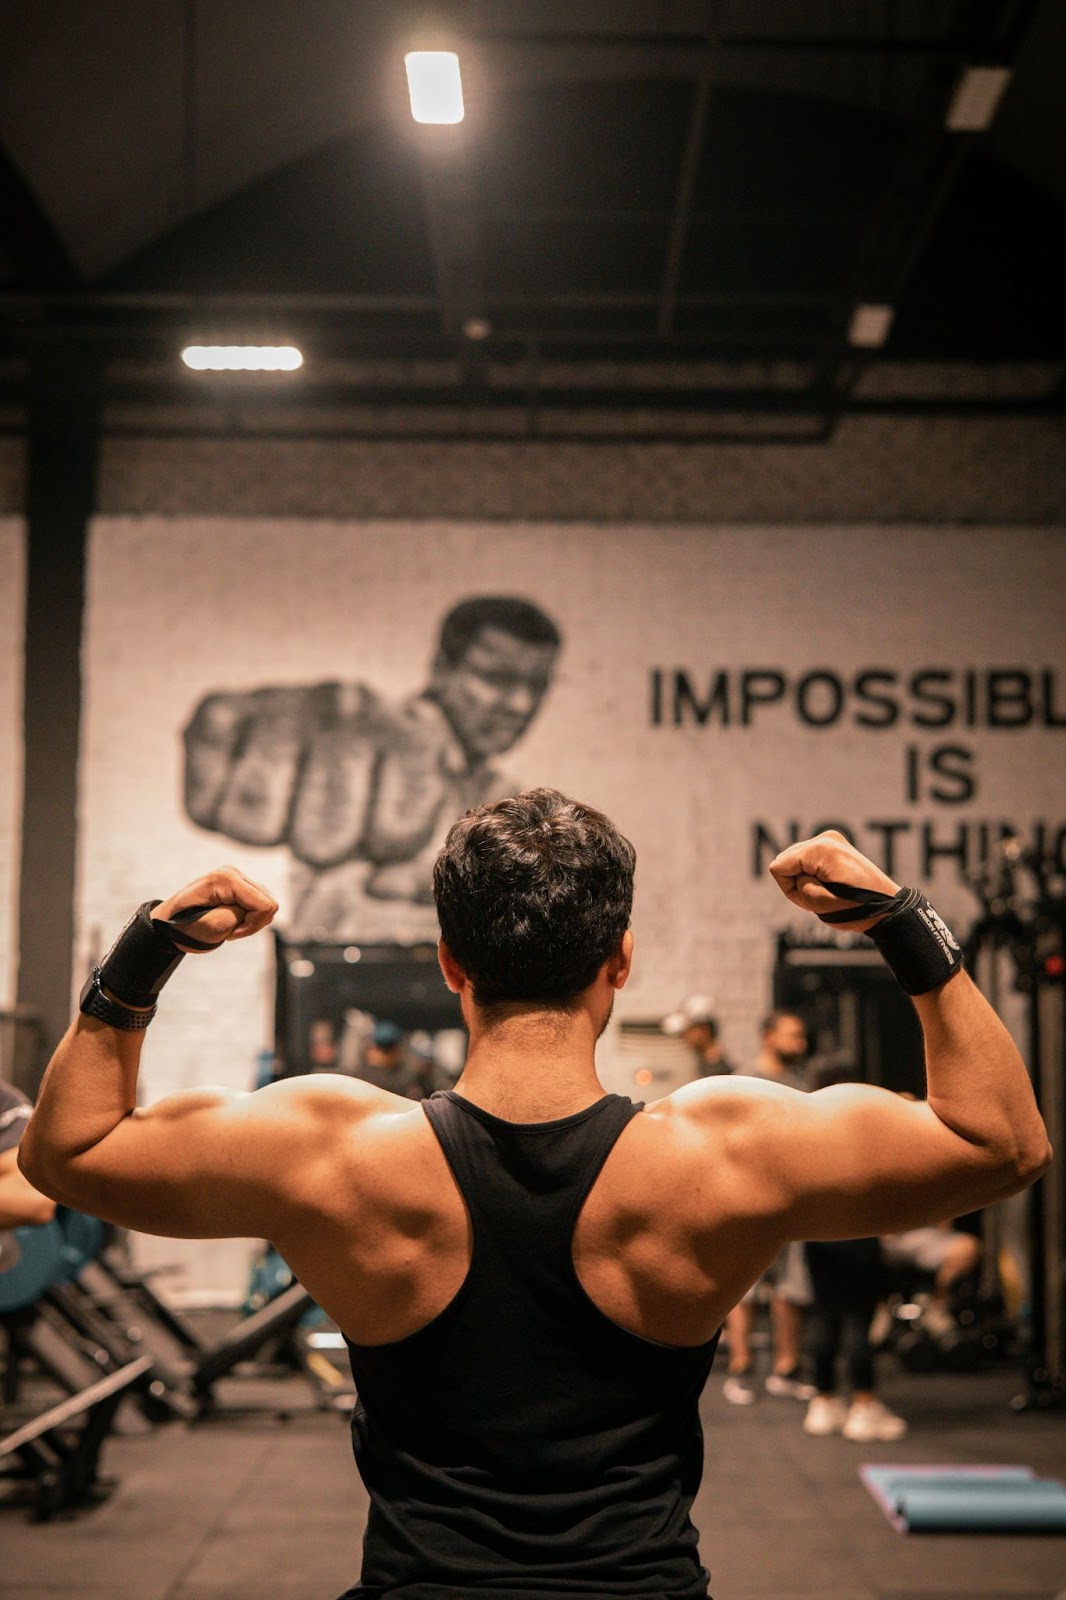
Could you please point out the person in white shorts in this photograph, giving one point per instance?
(943, 1250)
(781, 1057)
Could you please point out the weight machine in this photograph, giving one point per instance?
(1019, 940)
(852, 1006)
(327, 992)
(1015, 948)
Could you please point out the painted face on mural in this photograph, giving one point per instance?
(492, 692)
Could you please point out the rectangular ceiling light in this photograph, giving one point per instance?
(435, 85)
(870, 326)
(976, 99)
(242, 357)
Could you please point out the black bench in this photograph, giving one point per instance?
(56, 1455)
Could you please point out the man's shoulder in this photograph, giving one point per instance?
(338, 1100)
(697, 1159)
(731, 1118)
(726, 1096)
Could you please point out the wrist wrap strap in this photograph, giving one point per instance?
(917, 945)
(145, 954)
(95, 1003)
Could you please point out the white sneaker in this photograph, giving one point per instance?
(826, 1414)
(789, 1386)
(737, 1389)
(869, 1420)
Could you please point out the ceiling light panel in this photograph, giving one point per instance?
(435, 86)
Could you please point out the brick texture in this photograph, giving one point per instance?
(930, 469)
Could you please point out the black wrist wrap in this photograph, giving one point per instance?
(144, 955)
(917, 945)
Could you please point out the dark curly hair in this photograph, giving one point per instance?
(533, 894)
(508, 612)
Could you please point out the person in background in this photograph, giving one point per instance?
(845, 1280)
(944, 1250)
(422, 1056)
(694, 1024)
(782, 1052)
(386, 1064)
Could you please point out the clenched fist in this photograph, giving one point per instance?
(802, 871)
(329, 770)
(231, 906)
(339, 775)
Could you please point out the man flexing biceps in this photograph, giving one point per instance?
(560, 1259)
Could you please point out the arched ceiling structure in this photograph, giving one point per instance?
(657, 220)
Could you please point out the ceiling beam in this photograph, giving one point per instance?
(655, 45)
(919, 186)
(686, 183)
(16, 303)
(162, 398)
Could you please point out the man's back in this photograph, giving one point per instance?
(663, 1242)
(521, 1440)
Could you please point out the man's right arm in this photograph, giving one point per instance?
(854, 1161)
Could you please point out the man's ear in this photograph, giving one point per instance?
(619, 965)
(454, 976)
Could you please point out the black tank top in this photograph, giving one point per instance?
(522, 1446)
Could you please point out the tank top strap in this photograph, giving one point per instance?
(531, 1177)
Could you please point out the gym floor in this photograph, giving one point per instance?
(250, 1505)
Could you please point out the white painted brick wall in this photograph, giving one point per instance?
(180, 606)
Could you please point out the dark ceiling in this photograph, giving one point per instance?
(656, 220)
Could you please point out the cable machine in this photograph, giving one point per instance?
(1020, 939)
(1016, 947)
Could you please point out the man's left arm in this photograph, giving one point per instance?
(206, 1163)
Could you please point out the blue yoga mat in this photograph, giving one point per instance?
(967, 1499)
(1037, 1505)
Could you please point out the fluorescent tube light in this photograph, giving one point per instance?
(435, 85)
(242, 357)
(976, 99)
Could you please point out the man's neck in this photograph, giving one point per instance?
(532, 1065)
